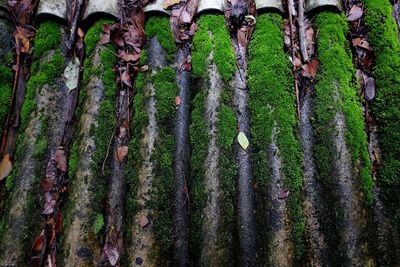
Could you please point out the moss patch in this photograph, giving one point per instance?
(6, 84)
(386, 106)
(212, 33)
(272, 100)
(337, 77)
(160, 27)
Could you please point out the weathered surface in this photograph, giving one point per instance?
(143, 244)
(53, 7)
(95, 6)
(81, 247)
(45, 121)
(311, 188)
(311, 4)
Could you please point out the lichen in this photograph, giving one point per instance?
(337, 73)
(272, 100)
(212, 33)
(382, 34)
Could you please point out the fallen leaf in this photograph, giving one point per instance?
(310, 69)
(144, 221)
(38, 244)
(111, 253)
(243, 141)
(71, 74)
(61, 160)
(121, 153)
(370, 88)
(283, 194)
(355, 13)
(5, 166)
(169, 3)
(178, 101)
(144, 68)
(81, 33)
(126, 78)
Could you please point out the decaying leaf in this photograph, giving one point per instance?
(283, 194)
(370, 88)
(144, 221)
(178, 100)
(310, 69)
(126, 78)
(121, 153)
(355, 13)
(61, 160)
(71, 74)
(5, 167)
(38, 244)
(22, 39)
(243, 141)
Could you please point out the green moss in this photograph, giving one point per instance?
(160, 27)
(6, 84)
(212, 33)
(272, 102)
(166, 89)
(199, 138)
(336, 79)
(98, 223)
(386, 106)
(48, 37)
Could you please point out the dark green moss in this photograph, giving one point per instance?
(166, 89)
(199, 138)
(48, 37)
(6, 85)
(386, 106)
(160, 27)
(272, 103)
(211, 34)
(336, 80)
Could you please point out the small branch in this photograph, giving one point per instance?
(302, 35)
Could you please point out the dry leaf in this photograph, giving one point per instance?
(169, 3)
(5, 166)
(71, 74)
(355, 13)
(126, 78)
(121, 153)
(370, 88)
(81, 33)
(38, 244)
(283, 194)
(310, 69)
(243, 141)
(144, 221)
(178, 100)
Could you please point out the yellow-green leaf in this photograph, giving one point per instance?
(243, 141)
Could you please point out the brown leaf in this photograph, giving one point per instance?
(22, 37)
(81, 34)
(126, 78)
(169, 3)
(61, 160)
(310, 69)
(5, 166)
(355, 13)
(121, 153)
(144, 221)
(178, 100)
(38, 244)
(144, 68)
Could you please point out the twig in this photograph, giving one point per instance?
(290, 7)
(302, 37)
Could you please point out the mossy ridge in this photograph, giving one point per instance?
(6, 84)
(219, 43)
(272, 99)
(48, 38)
(382, 34)
(160, 27)
(203, 43)
(199, 139)
(161, 200)
(103, 131)
(337, 77)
